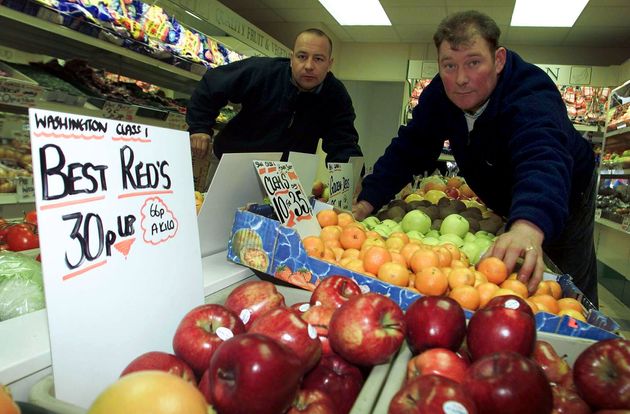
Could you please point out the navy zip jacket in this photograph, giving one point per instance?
(275, 116)
(523, 157)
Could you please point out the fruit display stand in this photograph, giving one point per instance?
(569, 347)
(265, 245)
(42, 392)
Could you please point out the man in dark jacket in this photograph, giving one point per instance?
(512, 141)
(286, 105)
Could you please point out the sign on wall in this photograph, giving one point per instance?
(119, 243)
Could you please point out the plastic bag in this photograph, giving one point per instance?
(21, 285)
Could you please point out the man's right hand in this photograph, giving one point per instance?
(200, 143)
(361, 210)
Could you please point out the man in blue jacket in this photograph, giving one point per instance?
(513, 142)
(286, 105)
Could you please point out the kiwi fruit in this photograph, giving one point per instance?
(446, 211)
(436, 224)
(395, 213)
(474, 224)
(443, 202)
(459, 205)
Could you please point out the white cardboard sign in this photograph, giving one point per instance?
(341, 185)
(119, 243)
(287, 196)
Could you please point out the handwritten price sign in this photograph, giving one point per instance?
(287, 196)
(340, 185)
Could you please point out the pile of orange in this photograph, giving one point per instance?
(428, 270)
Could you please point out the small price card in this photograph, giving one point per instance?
(177, 121)
(287, 196)
(25, 190)
(118, 111)
(18, 93)
(598, 213)
(340, 185)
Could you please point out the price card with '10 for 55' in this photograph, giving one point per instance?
(287, 196)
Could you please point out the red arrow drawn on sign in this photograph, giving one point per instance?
(306, 217)
(291, 221)
(292, 175)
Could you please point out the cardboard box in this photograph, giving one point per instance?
(264, 245)
(43, 393)
(569, 348)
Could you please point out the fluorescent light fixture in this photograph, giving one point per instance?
(357, 12)
(547, 13)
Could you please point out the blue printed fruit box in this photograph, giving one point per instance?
(265, 245)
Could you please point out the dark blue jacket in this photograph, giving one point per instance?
(274, 115)
(523, 158)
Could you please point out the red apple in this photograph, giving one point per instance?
(204, 385)
(556, 369)
(510, 302)
(507, 382)
(602, 374)
(500, 329)
(435, 322)
(568, 402)
(453, 193)
(338, 378)
(161, 361)
(318, 317)
(252, 373)
(334, 291)
(312, 402)
(201, 331)
(438, 361)
(367, 330)
(252, 299)
(285, 326)
(432, 394)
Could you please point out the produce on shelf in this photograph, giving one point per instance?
(199, 197)
(320, 191)
(21, 285)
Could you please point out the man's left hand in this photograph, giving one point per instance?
(523, 239)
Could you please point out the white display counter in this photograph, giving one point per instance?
(24, 343)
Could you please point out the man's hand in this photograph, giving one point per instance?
(361, 210)
(200, 143)
(524, 239)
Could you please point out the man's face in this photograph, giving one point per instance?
(470, 72)
(310, 60)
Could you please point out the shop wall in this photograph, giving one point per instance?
(378, 108)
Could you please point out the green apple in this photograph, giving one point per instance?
(416, 220)
(397, 228)
(389, 223)
(452, 238)
(431, 241)
(473, 252)
(371, 222)
(485, 234)
(415, 234)
(469, 237)
(483, 244)
(433, 233)
(383, 229)
(455, 224)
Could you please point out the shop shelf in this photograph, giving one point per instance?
(35, 35)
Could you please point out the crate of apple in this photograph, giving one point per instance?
(328, 351)
(498, 363)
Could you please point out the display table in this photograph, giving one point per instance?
(25, 347)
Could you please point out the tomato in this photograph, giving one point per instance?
(19, 238)
(31, 217)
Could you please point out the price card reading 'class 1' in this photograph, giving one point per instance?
(287, 196)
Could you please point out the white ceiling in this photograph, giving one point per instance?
(602, 24)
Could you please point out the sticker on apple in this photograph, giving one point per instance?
(364, 288)
(454, 407)
(512, 304)
(224, 333)
(312, 332)
(305, 306)
(245, 315)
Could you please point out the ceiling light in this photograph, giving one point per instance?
(547, 13)
(357, 12)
